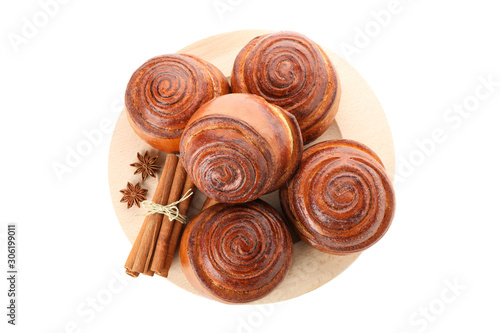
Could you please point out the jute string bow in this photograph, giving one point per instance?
(170, 210)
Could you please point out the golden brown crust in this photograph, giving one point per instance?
(163, 94)
(236, 253)
(238, 147)
(340, 200)
(291, 71)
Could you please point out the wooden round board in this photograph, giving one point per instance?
(360, 117)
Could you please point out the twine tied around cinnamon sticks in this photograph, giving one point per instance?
(156, 243)
(170, 210)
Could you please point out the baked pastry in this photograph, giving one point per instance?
(238, 147)
(164, 93)
(291, 71)
(236, 253)
(341, 200)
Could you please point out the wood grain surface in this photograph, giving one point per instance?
(360, 117)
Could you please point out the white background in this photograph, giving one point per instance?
(70, 75)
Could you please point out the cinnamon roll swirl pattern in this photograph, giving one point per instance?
(238, 147)
(236, 253)
(341, 200)
(291, 71)
(163, 94)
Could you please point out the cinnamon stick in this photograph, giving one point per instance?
(158, 260)
(152, 222)
(131, 273)
(177, 228)
(156, 243)
(129, 264)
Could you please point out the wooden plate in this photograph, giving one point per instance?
(360, 118)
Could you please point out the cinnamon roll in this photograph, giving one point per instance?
(238, 147)
(163, 94)
(341, 200)
(236, 253)
(293, 72)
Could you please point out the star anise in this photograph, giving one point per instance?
(145, 166)
(133, 195)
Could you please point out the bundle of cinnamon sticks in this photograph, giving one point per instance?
(156, 243)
